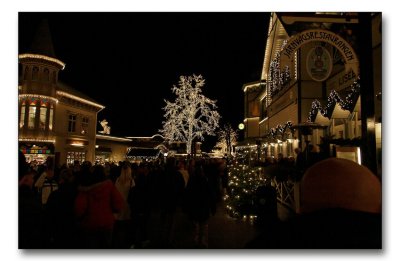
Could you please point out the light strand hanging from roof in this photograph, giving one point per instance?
(346, 104)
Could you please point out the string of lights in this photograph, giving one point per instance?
(242, 185)
(346, 104)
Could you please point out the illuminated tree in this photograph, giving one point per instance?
(191, 115)
(227, 138)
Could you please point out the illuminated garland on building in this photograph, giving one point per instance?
(22, 96)
(278, 79)
(42, 57)
(279, 130)
(36, 140)
(347, 104)
(61, 93)
(243, 183)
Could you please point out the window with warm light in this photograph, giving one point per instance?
(43, 114)
(51, 117)
(32, 114)
(85, 125)
(71, 123)
(22, 115)
(75, 155)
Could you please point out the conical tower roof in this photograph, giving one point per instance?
(42, 42)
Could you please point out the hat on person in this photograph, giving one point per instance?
(340, 183)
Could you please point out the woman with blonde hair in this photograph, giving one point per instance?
(123, 184)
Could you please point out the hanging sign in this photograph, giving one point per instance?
(321, 35)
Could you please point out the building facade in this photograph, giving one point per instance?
(322, 71)
(54, 119)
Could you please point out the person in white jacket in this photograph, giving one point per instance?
(123, 219)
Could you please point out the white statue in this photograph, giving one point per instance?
(106, 128)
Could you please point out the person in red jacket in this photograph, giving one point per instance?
(96, 203)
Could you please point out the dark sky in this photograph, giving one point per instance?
(129, 61)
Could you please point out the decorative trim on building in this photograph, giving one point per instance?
(42, 57)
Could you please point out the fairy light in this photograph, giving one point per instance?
(42, 57)
(24, 96)
(243, 183)
(64, 94)
(333, 99)
(36, 140)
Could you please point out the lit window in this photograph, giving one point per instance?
(32, 114)
(75, 155)
(71, 123)
(51, 118)
(85, 125)
(43, 112)
(22, 116)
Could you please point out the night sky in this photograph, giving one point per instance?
(129, 61)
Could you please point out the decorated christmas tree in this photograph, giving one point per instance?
(241, 197)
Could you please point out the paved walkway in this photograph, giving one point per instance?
(225, 232)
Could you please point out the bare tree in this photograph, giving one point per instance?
(191, 115)
(227, 138)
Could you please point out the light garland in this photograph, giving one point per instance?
(22, 96)
(279, 130)
(333, 99)
(242, 185)
(36, 140)
(104, 137)
(64, 94)
(42, 57)
(278, 79)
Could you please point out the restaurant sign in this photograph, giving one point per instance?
(321, 35)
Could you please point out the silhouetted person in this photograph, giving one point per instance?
(30, 213)
(95, 206)
(60, 212)
(340, 208)
(200, 204)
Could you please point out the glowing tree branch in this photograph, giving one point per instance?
(191, 115)
(227, 138)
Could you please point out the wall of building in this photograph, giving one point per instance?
(118, 149)
(65, 139)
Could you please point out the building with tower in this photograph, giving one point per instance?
(54, 118)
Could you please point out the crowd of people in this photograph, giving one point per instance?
(128, 205)
(107, 206)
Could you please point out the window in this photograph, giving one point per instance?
(22, 116)
(85, 125)
(32, 114)
(71, 123)
(51, 117)
(35, 73)
(46, 75)
(26, 73)
(75, 155)
(42, 124)
(43, 114)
